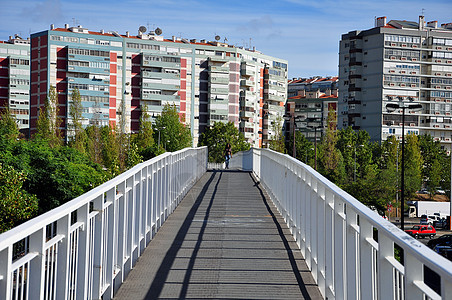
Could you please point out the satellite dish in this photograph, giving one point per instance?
(142, 29)
(217, 37)
(158, 31)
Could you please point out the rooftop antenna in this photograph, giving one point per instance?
(225, 40)
(217, 38)
(142, 29)
(423, 12)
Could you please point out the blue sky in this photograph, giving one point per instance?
(306, 33)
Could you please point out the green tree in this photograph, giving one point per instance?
(436, 167)
(216, 138)
(330, 158)
(93, 144)
(144, 139)
(110, 150)
(303, 147)
(16, 205)
(413, 165)
(174, 135)
(47, 127)
(8, 125)
(78, 134)
(276, 142)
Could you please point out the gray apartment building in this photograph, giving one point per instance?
(399, 62)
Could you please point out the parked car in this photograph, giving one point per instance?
(441, 240)
(427, 220)
(444, 249)
(441, 223)
(421, 231)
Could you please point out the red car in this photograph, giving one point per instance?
(421, 231)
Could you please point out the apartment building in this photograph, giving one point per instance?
(208, 81)
(397, 62)
(15, 79)
(310, 104)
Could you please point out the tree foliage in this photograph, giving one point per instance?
(276, 142)
(77, 132)
(16, 205)
(216, 138)
(174, 135)
(47, 126)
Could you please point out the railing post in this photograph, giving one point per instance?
(339, 250)
(385, 269)
(63, 255)
(37, 269)
(352, 254)
(367, 260)
(83, 252)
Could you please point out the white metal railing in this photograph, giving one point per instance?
(349, 249)
(85, 248)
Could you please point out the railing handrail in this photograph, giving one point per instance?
(114, 222)
(19, 232)
(357, 217)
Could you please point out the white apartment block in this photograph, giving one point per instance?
(397, 62)
(208, 81)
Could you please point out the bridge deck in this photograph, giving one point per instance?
(225, 240)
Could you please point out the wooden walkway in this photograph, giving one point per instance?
(224, 241)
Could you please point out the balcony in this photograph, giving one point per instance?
(247, 103)
(218, 58)
(248, 83)
(160, 86)
(247, 72)
(91, 70)
(244, 124)
(246, 114)
(161, 64)
(218, 69)
(273, 97)
(248, 135)
(218, 80)
(219, 91)
(160, 97)
(147, 74)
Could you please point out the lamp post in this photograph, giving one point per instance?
(392, 107)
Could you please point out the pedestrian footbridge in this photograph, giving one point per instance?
(170, 228)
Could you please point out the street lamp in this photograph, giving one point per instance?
(392, 107)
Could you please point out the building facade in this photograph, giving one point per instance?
(117, 75)
(15, 79)
(397, 62)
(313, 99)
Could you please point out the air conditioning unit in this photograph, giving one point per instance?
(402, 84)
(436, 126)
(403, 58)
(447, 139)
(448, 87)
(392, 57)
(391, 71)
(439, 47)
(402, 72)
(449, 48)
(438, 60)
(414, 73)
(438, 74)
(449, 74)
(437, 87)
(413, 85)
(414, 59)
(391, 84)
(449, 61)
(436, 139)
(412, 124)
(403, 45)
(393, 44)
(436, 112)
(414, 46)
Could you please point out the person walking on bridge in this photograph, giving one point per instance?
(227, 154)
